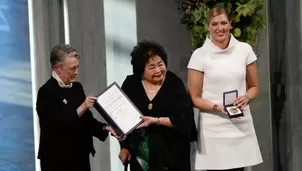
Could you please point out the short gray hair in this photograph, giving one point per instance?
(60, 52)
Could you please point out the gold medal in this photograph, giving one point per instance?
(233, 110)
(150, 106)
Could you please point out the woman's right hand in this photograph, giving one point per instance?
(219, 108)
(124, 155)
(89, 101)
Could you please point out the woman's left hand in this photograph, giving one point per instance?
(148, 120)
(241, 101)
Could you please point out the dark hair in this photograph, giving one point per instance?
(60, 52)
(141, 54)
(215, 12)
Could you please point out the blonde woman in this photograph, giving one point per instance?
(224, 64)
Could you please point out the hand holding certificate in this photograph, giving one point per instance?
(118, 110)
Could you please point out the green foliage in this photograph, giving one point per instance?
(246, 16)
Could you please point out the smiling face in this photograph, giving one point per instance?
(155, 70)
(219, 28)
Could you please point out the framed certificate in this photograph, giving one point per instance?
(228, 99)
(118, 110)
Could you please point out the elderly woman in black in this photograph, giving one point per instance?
(162, 141)
(67, 126)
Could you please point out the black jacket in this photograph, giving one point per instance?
(64, 136)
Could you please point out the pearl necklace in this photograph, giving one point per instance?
(148, 91)
(150, 105)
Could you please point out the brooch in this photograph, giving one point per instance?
(150, 106)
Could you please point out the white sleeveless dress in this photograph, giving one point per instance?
(224, 143)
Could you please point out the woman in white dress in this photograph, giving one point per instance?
(221, 65)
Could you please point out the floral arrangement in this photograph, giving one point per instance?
(246, 16)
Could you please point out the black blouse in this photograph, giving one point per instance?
(169, 148)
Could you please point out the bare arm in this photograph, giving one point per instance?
(252, 86)
(252, 80)
(164, 121)
(195, 84)
(148, 120)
